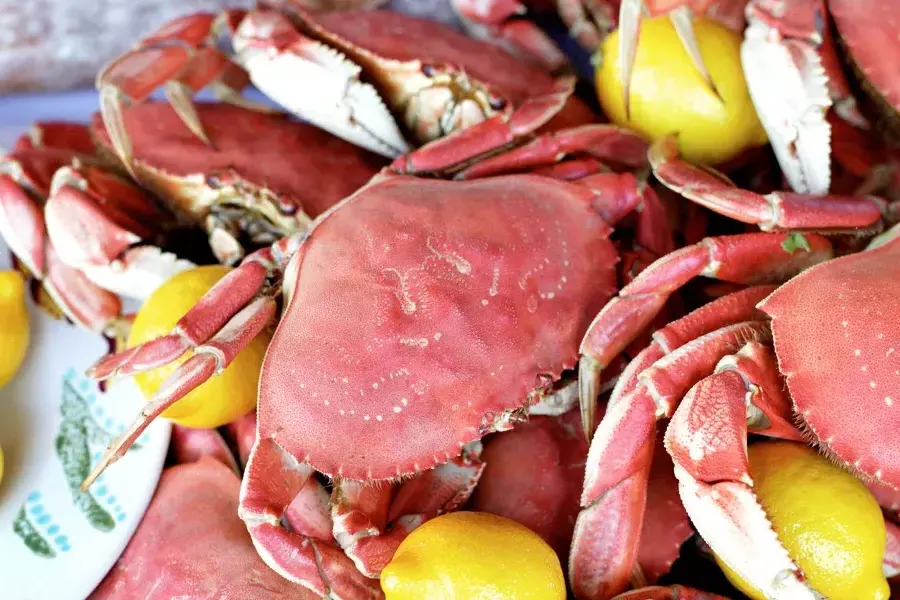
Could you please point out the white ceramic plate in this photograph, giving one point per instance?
(56, 543)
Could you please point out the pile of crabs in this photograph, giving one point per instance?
(483, 295)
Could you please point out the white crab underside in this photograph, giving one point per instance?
(138, 273)
(320, 85)
(728, 517)
(789, 91)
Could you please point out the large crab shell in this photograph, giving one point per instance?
(836, 330)
(273, 165)
(867, 31)
(374, 38)
(419, 312)
(191, 544)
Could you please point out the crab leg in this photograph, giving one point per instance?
(489, 136)
(175, 55)
(208, 359)
(370, 521)
(589, 21)
(712, 468)
(606, 143)
(891, 563)
(618, 556)
(496, 21)
(273, 483)
(224, 321)
(747, 258)
(618, 195)
(665, 525)
(774, 211)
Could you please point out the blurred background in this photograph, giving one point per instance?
(53, 45)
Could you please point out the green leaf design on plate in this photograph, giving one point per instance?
(34, 540)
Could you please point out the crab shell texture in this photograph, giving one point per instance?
(269, 163)
(867, 31)
(368, 37)
(191, 544)
(421, 313)
(836, 329)
(534, 474)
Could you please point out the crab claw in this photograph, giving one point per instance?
(629, 34)
(789, 89)
(706, 438)
(370, 521)
(23, 187)
(96, 222)
(303, 552)
(269, 46)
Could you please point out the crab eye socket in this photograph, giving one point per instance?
(429, 70)
(497, 103)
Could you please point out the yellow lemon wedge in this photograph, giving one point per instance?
(222, 398)
(669, 95)
(473, 556)
(15, 330)
(829, 522)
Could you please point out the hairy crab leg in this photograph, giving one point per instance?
(712, 467)
(748, 258)
(303, 553)
(774, 211)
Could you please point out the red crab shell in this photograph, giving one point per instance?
(191, 544)
(420, 311)
(836, 331)
(285, 167)
(533, 475)
(868, 32)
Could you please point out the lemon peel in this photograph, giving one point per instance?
(827, 520)
(15, 329)
(669, 95)
(471, 555)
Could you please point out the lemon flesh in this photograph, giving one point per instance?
(669, 95)
(827, 520)
(473, 556)
(221, 399)
(15, 330)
